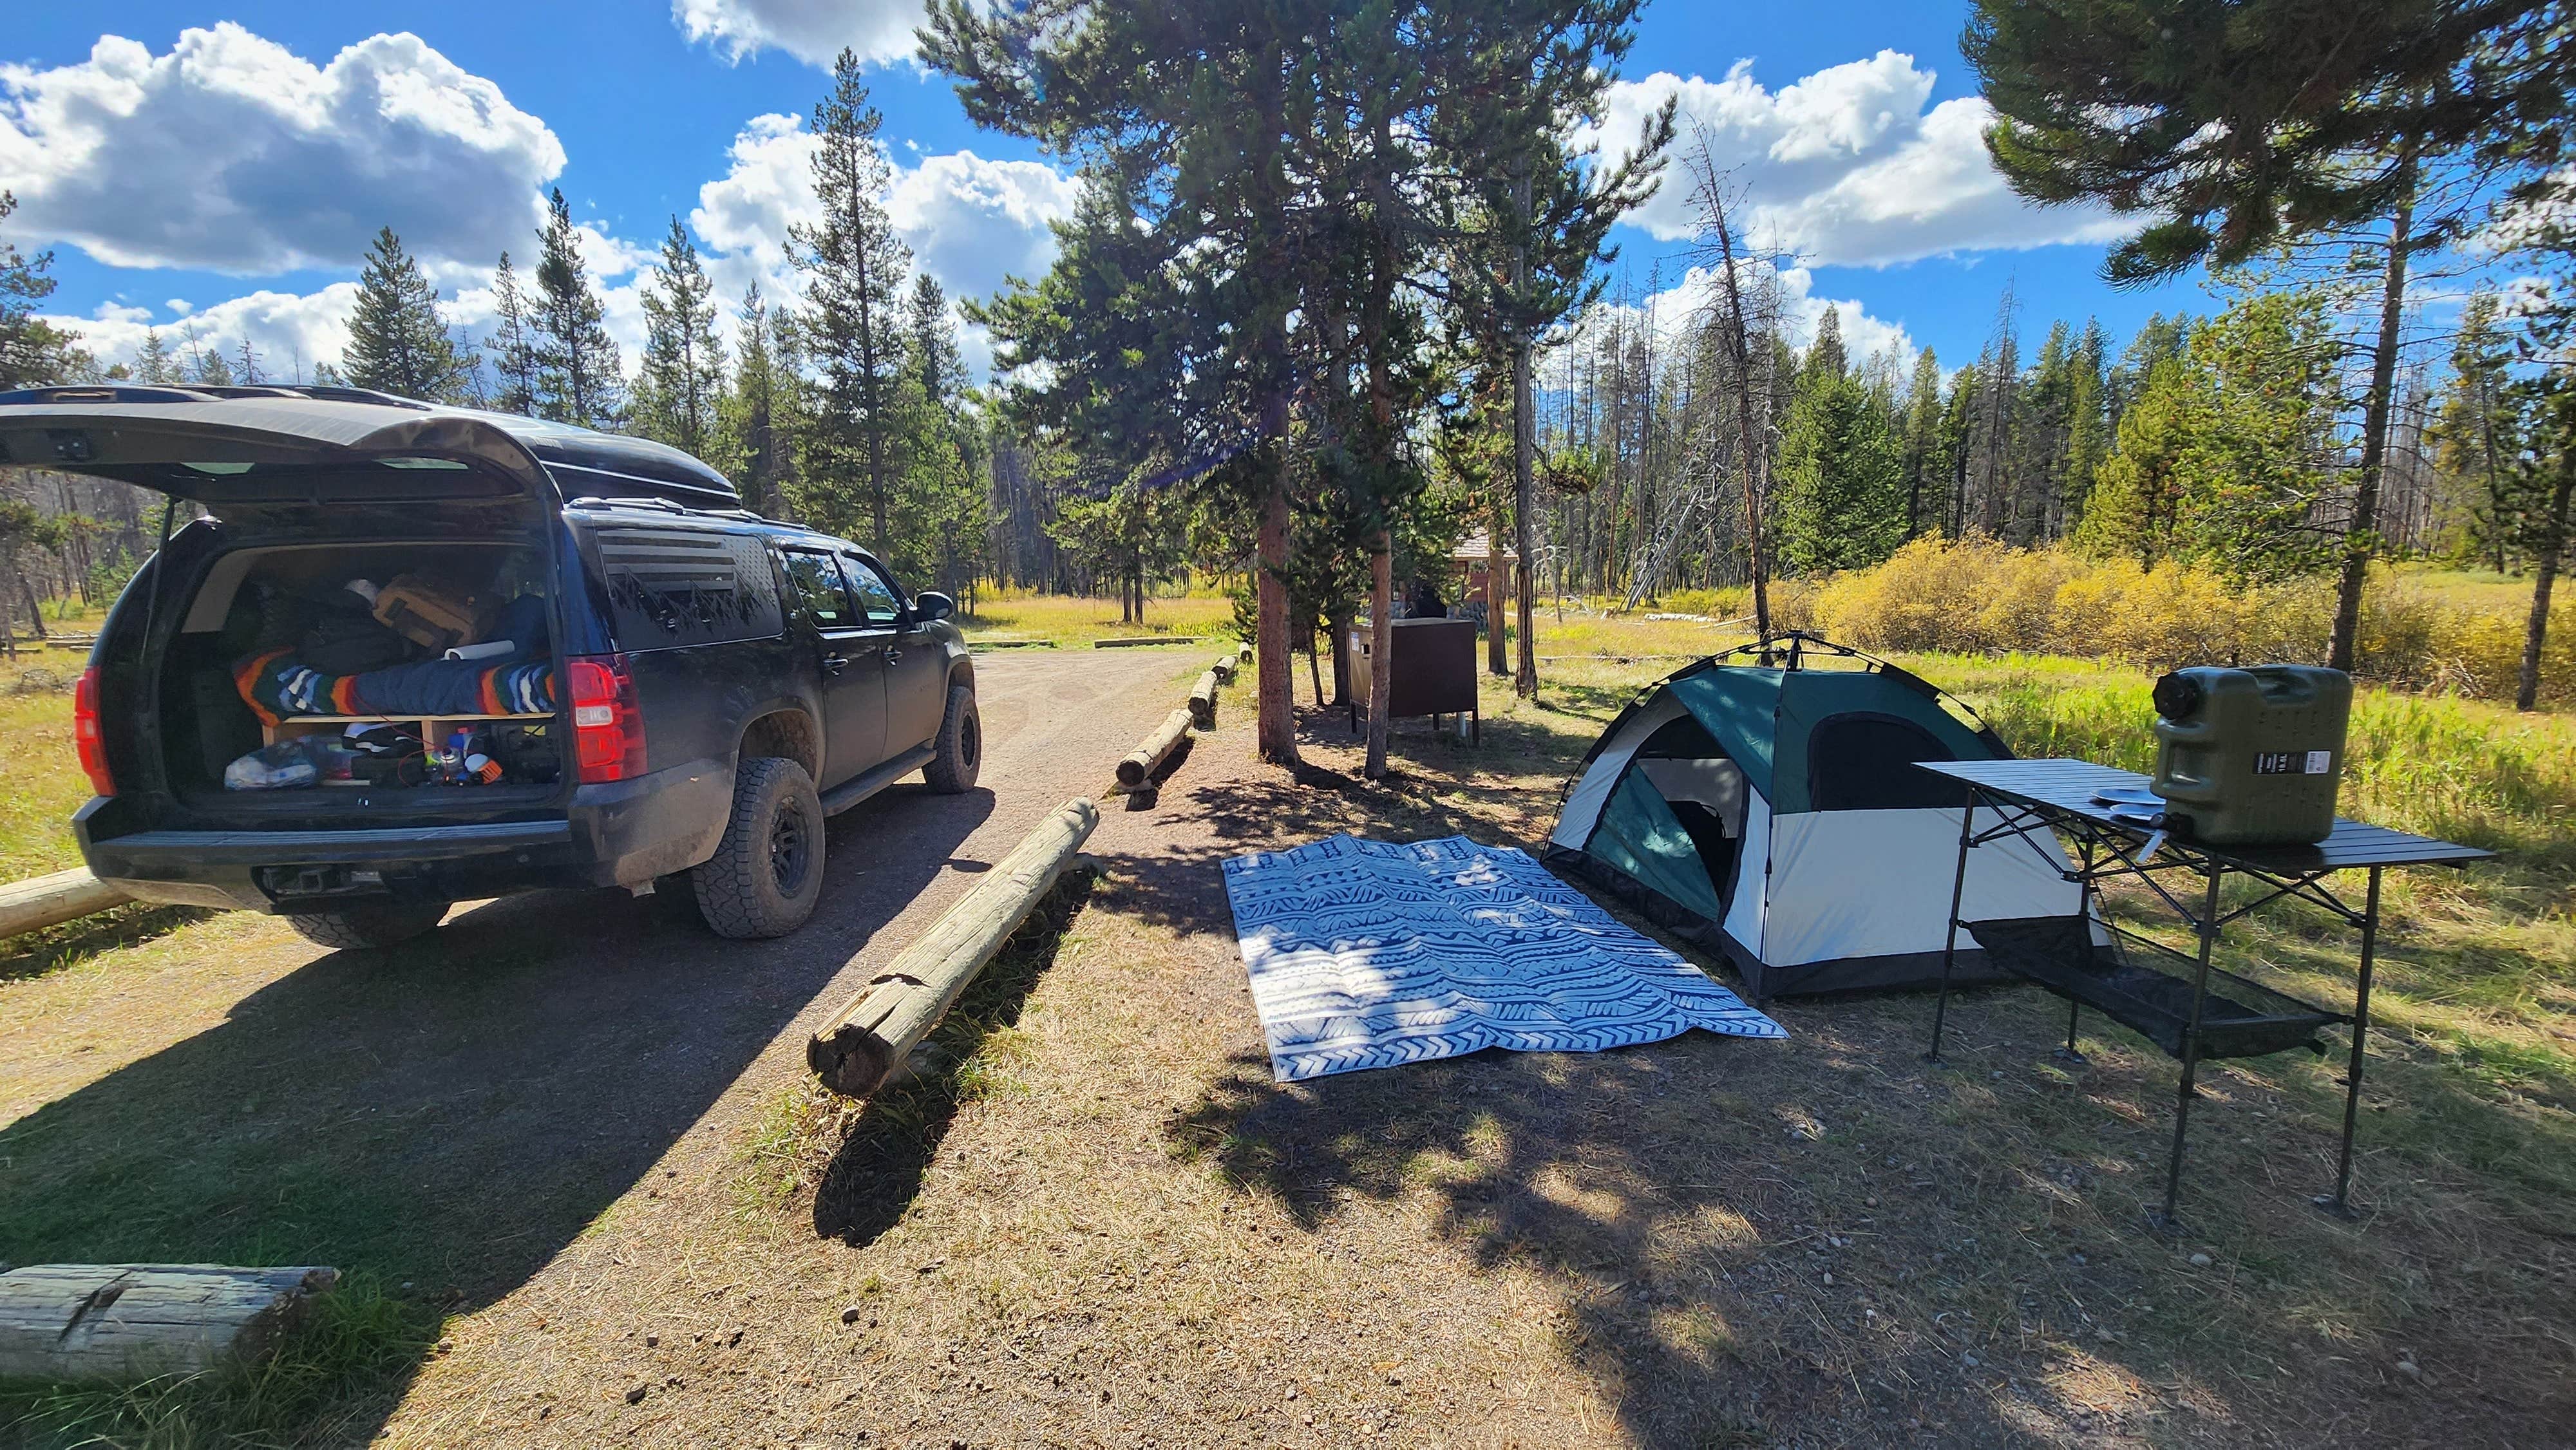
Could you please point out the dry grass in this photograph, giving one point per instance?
(2420, 629)
(45, 784)
(1074, 619)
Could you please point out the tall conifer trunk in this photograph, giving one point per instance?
(2361, 536)
(2546, 560)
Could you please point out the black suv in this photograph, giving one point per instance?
(422, 654)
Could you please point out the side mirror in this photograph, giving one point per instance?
(930, 604)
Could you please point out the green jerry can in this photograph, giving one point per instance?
(2251, 757)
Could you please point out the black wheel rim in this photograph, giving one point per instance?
(970, 741)
(790, 850)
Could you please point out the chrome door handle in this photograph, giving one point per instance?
(834, 664)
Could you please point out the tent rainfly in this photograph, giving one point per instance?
(1771, 811)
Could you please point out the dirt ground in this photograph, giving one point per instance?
(1094, 1220)
(1107, 1226)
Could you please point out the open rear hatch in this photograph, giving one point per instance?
(365, 635)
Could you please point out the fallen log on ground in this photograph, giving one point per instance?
(44, 901)
(1243, 651)
(871, 1036)
(1224, 668)
(1145, 759)
(1141, 639)
(1203, 701)
(120, 1322)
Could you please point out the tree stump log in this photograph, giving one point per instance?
(899, 1005)
(43, 901)
(1145, 759)
(1203, 701)
(123, 1322)
(1224, 668)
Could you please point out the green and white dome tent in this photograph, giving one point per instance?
(1765, 803)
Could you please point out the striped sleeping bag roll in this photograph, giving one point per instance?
(278, 687)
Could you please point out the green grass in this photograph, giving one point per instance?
(357, 1342)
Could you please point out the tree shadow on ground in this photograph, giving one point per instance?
(1827, 1241)
(876, 1170)
(448, 1115)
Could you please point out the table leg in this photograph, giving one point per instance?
(2191, 1046)
(2075, 1005)
(2340, 1202)
(1950, 944)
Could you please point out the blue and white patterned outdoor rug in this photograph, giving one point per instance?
(1370, 953)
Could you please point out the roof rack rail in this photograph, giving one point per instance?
(664, 505)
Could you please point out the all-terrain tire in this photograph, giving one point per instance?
(958, 754)
(363, 928)
(767, 872)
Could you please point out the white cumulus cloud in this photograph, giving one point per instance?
(233, 154)
(1845, 167)
(813, 31)
(288, 332)
(970, 222)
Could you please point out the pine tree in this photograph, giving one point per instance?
(251, 375)
(2135, 500)
(1541, 212)
(1923, 451)
(853, 265)
(152, 362)
(754, 443)
(1842, 474)
(202, 364)
(31, 351)
(2235, 125)
(398, 343)
(1958, 431)
(932, 337)
(2474, 439)
(1826, 357)
(579, 377)
(683, 373)
(513, 343)
(2088, 424)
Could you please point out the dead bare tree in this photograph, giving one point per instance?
(1719, 244)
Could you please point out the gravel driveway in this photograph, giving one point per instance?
(543, 1066)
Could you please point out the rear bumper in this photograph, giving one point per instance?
(621, 834)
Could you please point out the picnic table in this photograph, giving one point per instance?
(2186, 1006)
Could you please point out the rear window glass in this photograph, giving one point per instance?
(682, 587)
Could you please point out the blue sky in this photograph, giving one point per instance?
(226, 179)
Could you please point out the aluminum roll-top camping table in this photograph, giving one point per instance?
(2186, 1006)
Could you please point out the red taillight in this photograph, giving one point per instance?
(85, 736)
(607, 725)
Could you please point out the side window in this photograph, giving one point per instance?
(819, 589)
(686, 587)
(877, 599)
